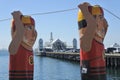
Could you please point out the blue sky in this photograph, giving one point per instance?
(63, 25)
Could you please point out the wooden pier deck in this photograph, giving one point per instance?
(112, 59)
(64, 55)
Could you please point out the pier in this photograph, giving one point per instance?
(63, 55)
(112, 59)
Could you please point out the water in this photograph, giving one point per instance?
(52, 69)
(113, 73)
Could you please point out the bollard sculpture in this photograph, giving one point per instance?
(23, 33)
(92, 30)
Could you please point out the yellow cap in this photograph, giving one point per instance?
(97, 10)
(94, 10)
(27, 20)
(80, 16)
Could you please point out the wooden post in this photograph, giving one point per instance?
(92, 29)
(20, 49)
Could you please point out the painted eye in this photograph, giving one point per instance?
(101, 16)
(94, 16)
(29, 27)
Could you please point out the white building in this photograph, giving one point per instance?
(58, 45)
(115, 48)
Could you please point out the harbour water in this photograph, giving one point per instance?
(52, 69)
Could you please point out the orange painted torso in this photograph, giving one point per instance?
(21, 64)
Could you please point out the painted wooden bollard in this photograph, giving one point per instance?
(23, 33)
(92, 29)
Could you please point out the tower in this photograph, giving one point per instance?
(40, 44)
(51, 37)
(74, 43)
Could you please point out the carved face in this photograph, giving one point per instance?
(99, 20)
(100, 28)
(29, 35)
(27, 39)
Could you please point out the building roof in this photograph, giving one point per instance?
(116, 45)
(56, 40)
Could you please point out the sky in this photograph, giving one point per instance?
(63, 25)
